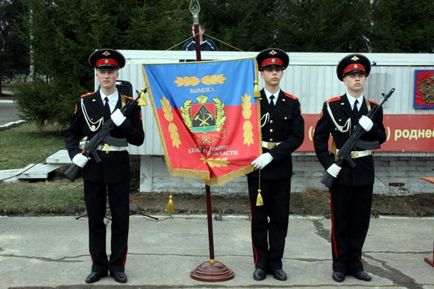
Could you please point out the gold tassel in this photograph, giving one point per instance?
(142, 98)
(259, 200)
(169, 206)
(256, 92)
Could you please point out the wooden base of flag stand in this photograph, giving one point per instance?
(430, 262)
(211, 270)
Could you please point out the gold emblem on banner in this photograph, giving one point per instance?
(209, 116)
(246, 105)
(173, 129)
(215, 162)
(193, 80)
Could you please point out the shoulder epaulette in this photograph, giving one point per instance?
(332, 99)
(87, 94)
(291, 96)
(372, 101)
(127, 97)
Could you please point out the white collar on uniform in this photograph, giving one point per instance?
(112, 98)
(268, 94)
(352, 99)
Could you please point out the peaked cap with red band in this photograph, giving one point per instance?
(351, 64)
(272, 56)
(106, 59)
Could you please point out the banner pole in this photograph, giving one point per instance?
(209, 218)
(211, 270)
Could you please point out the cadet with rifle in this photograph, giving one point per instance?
(109, 121)
(356, 126)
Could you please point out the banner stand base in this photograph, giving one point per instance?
(212, 271)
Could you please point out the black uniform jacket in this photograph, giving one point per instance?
(363, 173)
(285, 125)
(115, 164)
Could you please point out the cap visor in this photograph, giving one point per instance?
(354, 71)
(107, 67)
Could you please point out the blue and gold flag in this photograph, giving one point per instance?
(207, 117)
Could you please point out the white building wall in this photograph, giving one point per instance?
(311, 77)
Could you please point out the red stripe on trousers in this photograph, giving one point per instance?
(334, 244)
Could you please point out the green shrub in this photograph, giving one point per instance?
(43, 103)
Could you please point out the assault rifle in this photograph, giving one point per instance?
(91, 147)
(344, 152)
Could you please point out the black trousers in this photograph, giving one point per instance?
(270, 221)
(95, 195)
(351, 212)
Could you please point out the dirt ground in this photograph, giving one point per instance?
(306, 203)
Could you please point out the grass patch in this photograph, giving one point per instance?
(61, 197)
(27, 144)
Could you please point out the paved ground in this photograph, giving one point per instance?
(51, 252)
(9, 114)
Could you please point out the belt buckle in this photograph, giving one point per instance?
(270, 145)
(106, 148)
(354, 154)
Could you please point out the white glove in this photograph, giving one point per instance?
(262, 161)
(80, 160)
(366, 123)
(334, 170)
(117, 117)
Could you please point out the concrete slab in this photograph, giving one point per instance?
(60, 157)
(52, 252)
(38, 171)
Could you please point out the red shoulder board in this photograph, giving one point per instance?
(373, 101)
(335, 98)
(291, 96)
(86, 94)
(127, 97)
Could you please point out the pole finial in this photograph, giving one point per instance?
(195, 9)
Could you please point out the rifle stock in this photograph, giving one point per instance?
(71, 172)
(345, 152)
(327, 180)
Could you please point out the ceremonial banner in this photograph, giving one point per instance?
(424, 89)
(207, 117)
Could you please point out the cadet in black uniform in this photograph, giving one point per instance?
(282, 133)
(351, 192)
(112, 175)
